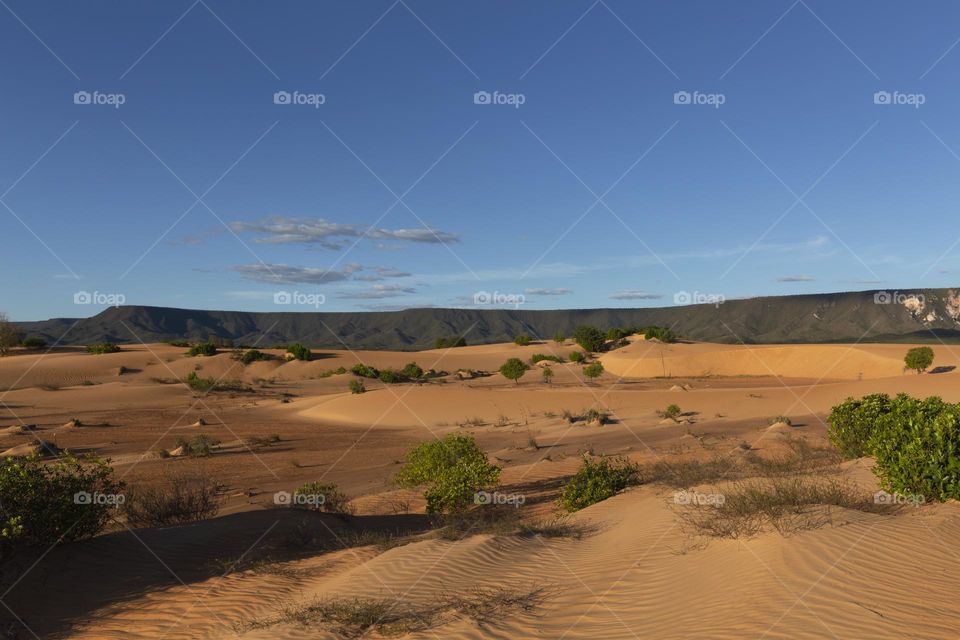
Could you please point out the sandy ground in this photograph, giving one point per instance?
(638, 573)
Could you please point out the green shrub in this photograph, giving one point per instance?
(917, 447)
(539, 357)
(522, 340)
(453, 469)
(547, 374)
(672, 411)
(577, 357)
(178, 343)
(364, 371)
(389, 376)
(356, 386)
(178, 498)
(298, 351)
(412, 371)
(448, 343)
(560, 337)
(618, 333)
(34, 342)
(919, 359)
(596, 481)
(320, 496)
(203, 349)
(593, 370)
(253, 355)
(852, 423)
(45, 503)
(102, 347)
(513, 369)
(590, 338)
(197, 383)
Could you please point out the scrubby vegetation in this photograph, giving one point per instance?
(852, 423)
(588, 337)
(597, 480)
(178, 498)
(577, 357)
(364, 371)
(356, 386)
(522, 340)
(203, 349)
(560, 337)
(321, 496)
(547, 374)
(453, 470)
(298, 351)
(46, 503)
(919, 359)
(412, 371)
(198, 383)
(391, 376)
(253, 355)
(513, 369)
(660, 333)
(593, 370)
(539, 357)
(33, 342)
(102, 347)
(672, 412)
(9, 336)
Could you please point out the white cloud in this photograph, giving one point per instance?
(635, 294)
(800, 278)
(547, 292)
(377, 292)
(331, 235)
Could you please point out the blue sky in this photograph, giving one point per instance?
(726, 149)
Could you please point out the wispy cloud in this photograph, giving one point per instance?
(331, 235)
(796, 279)
(289, 274)
(377, 292)
(547, 292)
(635, 294)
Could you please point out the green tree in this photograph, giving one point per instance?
(593, 370)
(299, 351)
(513, 369)
(8, 335)
(576, 356)
(547, 375)
(590, 338)
(412, 371)
(919, 359)
(522, 340)
(453, 470)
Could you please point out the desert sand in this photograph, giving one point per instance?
(637, 570)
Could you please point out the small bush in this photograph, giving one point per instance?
(449, 343)
(34, 342)
(453, 469)
(547, 374)
(595, 415)
(577, 357)
(178, 343)
(852, 423)
(559, 337)
(320, 496)
(389, 376)
(513, 369)
(45, 503)
(412, 371)
(919, 359)
(364, 371)
(298, 351)
(253, 355)
(672, 412)
(596, 481)
(593, 370)
(178, 498)
(779, 420)
(659, 333)
(356, 386)
(522, 340)
(102, 347)
(197, 383)
(203, 349)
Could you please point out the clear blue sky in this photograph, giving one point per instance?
(799, 182)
